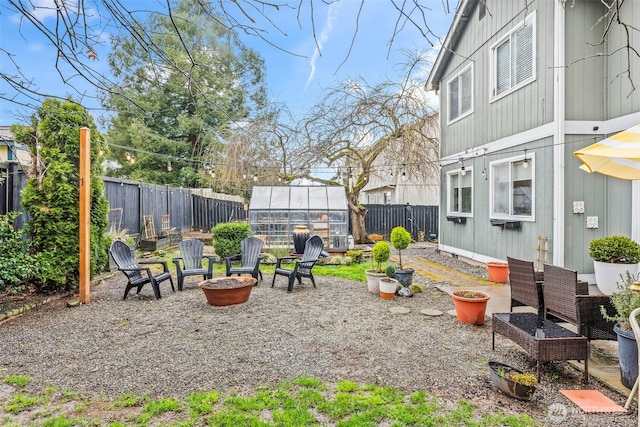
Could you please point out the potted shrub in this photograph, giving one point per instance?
(388, 284)
(625, 301)
(470, 306)
(613, 256)
(400, 239)
(379, 255)
(512, 381)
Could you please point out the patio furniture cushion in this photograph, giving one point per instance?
(138, 276)
(191, 261)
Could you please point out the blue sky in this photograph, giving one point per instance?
(298, 81)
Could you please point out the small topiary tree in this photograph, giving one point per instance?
(227, 237)
(379, 254)
(400, 239)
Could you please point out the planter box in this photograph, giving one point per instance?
(154, 245)
(175, 238)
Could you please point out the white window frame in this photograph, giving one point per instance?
(450, 175)
(511, 161)
(494, 96)
(468, 68)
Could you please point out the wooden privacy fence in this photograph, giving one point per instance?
(130, 200)
(207, 212)
(381, 219)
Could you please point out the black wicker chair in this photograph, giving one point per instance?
(526, 285)
(125, 260)
(302, 267)
(249, 256)
(190, 262)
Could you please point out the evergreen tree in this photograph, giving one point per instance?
(51, 196)
(185, 82)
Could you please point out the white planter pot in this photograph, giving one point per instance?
(373, 281)
(608, 275)
(388, 287)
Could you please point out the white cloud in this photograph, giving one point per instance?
(323, 37)
(41, 9)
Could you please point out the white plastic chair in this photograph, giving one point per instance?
(636, 332)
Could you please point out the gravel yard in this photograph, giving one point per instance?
(179, 344)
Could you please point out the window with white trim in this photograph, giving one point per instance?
(513, 189)
(460, 94)
(514, 58)
(460, 192)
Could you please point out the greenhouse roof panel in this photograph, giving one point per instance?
(279, 198)
(318, 198)
(314, 197)
(337, 198)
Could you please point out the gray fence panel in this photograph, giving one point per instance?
(209, 212)
(124, 204)
(154, 202)
(179, 201)
(381, 219)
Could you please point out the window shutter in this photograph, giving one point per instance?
(503, 81)
(522, 42)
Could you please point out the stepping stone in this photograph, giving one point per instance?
(399, 310)
(431, 312)
(452, 312)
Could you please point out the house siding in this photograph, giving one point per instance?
(623, 99)
(585, 81)
(598, 98)
(526, 108)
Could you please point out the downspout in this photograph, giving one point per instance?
(558, 133)
(635, 210)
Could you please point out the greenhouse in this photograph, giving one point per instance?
(275, 212)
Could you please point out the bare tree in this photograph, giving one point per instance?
(258, 151)
(357, 123)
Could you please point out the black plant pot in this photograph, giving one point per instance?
(300, 236)
(628, 357)
(499, 373)
(405, 277)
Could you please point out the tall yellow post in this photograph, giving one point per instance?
(85, 212)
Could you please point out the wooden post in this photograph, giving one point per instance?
(85, 212)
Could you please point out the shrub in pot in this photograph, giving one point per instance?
(388, 284)
(613, 256)
(400, 239)
(625, 301)
(379, 255)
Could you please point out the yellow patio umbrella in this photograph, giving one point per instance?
(617, 156)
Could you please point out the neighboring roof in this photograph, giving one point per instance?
(312, 197)
(5, 133)
(464, 12)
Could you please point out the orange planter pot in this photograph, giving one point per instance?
(470, 309)
(498, 272)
